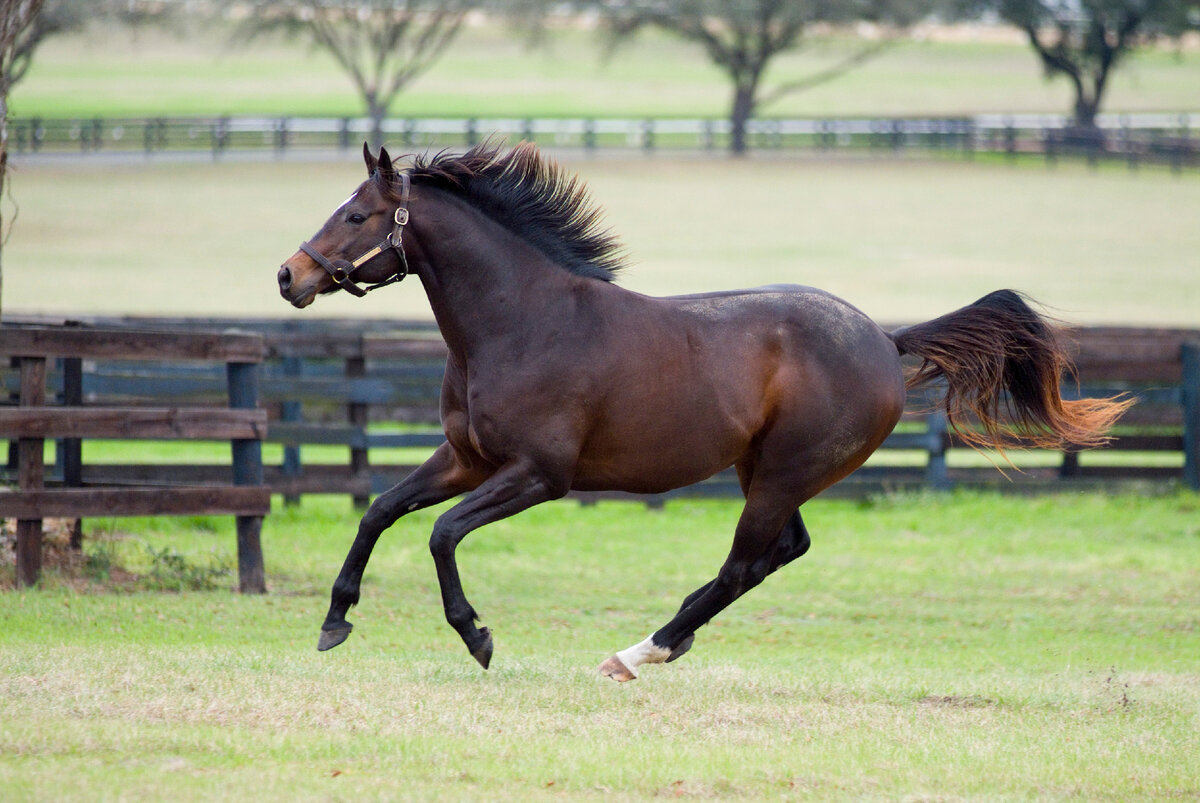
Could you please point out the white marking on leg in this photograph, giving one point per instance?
(646, 652)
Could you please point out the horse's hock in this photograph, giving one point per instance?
(41, 353)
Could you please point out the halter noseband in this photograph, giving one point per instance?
(342, 270)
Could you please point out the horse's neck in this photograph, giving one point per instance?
(485, 285)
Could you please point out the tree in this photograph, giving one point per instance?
(383, 45)
(26, 24)
(1086, 39)
(19, 35)
(743, 36)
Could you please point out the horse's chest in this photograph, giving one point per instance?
(474, 423)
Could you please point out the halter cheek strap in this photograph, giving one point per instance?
(342, 271)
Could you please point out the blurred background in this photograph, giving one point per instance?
(164, 157)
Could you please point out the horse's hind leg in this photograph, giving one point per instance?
(757, 550)
(437, 480)
(793, 542)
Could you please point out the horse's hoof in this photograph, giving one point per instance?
(683, 647)
(483, 654)
(332, 638)
(615, 669)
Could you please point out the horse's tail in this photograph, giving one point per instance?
(1000, 344)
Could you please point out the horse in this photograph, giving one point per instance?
(558, 379)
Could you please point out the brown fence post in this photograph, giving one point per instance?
(30, 473)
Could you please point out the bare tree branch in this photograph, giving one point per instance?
(381, 45)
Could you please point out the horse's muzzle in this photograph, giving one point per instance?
(293, 289)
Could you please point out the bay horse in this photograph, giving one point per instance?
(557, 379)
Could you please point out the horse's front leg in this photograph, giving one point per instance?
(439, 478)
(515, 487)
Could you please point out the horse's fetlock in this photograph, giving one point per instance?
(345, 592)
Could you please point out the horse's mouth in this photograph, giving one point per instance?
(302, 300)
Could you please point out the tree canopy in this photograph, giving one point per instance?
(382, 45)
(742, 37)
(1085, 40)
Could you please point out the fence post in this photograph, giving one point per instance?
(589, 135)
(1191, 414)
(357, 412)
(281, 135)
(30, 473)
(290, 411)
(935, 470)
(242, 379)
(70, 450)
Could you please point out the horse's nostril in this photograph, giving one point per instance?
(285, 278)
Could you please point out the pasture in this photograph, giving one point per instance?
(903, 240)
(964, 646)
(928, 647)
(491, 71)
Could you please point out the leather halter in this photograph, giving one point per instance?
(342, 270)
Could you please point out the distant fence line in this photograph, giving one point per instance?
(1134, 138)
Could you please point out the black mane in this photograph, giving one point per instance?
(531, 197)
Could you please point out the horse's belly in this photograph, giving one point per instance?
(643, 457)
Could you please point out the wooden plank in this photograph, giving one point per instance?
(356, 390)
(179, 501)
(301, 432)
(1129, 354)
(131, 344)
(382, 347)
(138, 423)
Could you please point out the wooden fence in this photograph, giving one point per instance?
(70, 489)
(1131, 138)
(371, 387)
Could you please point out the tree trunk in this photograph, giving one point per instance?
(743, 110)
(377, 112)
(3, 173)
(1086, 108)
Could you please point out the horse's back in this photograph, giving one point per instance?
(703, 378)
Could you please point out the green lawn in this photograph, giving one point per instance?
(903, 240)
(490, 71)
(957, 647)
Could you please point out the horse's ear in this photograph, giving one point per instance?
(386, 170)
(372, 162)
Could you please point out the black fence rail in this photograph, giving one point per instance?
(371, 388)
(1135, 139)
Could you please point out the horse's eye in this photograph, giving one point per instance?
(357, 219)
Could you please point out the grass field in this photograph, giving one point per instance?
(927, 648)
(966, 646)
(490, 71)
(904, 240)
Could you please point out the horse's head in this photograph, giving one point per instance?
(359, 243)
